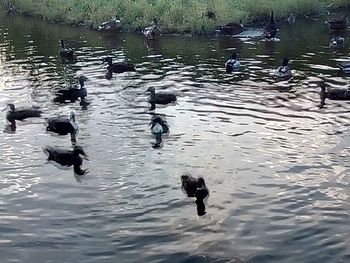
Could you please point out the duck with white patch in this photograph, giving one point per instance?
(337, 42)
(153, 31)
(63, 126)
(233, 63)
(72, 94)
(20, 114)
(113, 25)
(67, 157)
(283, 72)
(159, 126)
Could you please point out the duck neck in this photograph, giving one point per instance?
(272, 20)
(62, 44)
(323, 96)
(81, 82)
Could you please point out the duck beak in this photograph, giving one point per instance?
(85, 157)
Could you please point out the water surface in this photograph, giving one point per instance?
(275, 164)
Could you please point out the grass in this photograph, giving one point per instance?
(174, 15)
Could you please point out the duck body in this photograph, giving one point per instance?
(333, 94)
(283, 71)
(119, 67)
(232, 28)
(344, 67)
(67, 157)
(160, 97)
(114, 25)
(72, 94)
(338, 24)
(63, 126)
(66, 52)
(232, 64)
(271, 28)
(14, 114)
(337, 42)
(152, 32)
(159, 126)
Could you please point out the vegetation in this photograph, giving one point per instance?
(173, 15)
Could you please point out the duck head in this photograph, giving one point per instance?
(82, 80)
(201, 183)
(285, 62)
(108, 60)
(78, 150)
(151, 90)
(155, 22)
(184, 178)
(9, 107)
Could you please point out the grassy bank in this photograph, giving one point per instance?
(174, 15)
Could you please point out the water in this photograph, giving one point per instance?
(275, 164)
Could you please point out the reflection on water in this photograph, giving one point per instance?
(275, 163)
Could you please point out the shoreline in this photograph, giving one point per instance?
(251, 20)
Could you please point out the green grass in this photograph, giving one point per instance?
(174, 15)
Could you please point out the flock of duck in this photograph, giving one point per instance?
(193, 187)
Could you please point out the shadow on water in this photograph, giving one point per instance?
(275, 163)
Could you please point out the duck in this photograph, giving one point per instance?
(63, 126)
(119, 67)
(232, 64)
(232, 28)
(291, 18)
(66, 52)
(153, 31)
(338, 24)
(283, 71)
(159, 126)
(67, 157)
(113, 25)
(210, 15)
(160, 97)
(337, 42)
(72, 94)
(271, 28)
(21, 114)
(333, 94)
(195, 187)
(344, 67)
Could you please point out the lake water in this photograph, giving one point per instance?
(276, 165)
